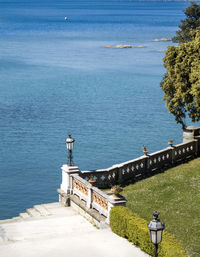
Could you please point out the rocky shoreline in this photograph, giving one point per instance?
(161, 39)
(164, 39)
(124, 46)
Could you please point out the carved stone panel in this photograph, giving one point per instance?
(79, 186)
(100, 201)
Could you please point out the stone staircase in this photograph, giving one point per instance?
(42, 211)
(37, 211)
(52, 230)
(56, 209)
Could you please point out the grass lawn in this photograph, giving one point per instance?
(176, 195)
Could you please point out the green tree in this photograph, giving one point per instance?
(181, 83)
(191, 22)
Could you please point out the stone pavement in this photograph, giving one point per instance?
(51, 230)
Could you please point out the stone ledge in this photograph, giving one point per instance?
(33, 213)
(64, 198)
(42, 210)
(15, 219)
(24, 215)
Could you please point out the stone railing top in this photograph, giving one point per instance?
(141, 158)
(160, 151)
(130, 161)
(83, 181)
(183, 144)
(108, 198)
(101, 193)
(116, 165)
(87, 184)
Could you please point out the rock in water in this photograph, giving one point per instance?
(165, 39)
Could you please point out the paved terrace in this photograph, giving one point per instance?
(51, 230)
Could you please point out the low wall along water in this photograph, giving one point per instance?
(148, 165)
(76, 182)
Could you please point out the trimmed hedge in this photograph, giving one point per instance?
(126, 224)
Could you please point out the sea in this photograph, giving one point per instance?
(57, 76)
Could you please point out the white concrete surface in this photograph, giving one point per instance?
(64, 233)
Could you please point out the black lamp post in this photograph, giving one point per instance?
(70, 145)
(156, 228)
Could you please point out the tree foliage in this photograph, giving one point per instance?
(191, 22)
(181, 83)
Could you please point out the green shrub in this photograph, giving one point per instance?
(129, 225)
(119, 222)
(171, 247)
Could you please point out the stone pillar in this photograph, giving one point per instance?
(67, 170)
(190, 133)
(172, 154)
(66, 187)
(146, 166)
(120, 177)
(112, 202)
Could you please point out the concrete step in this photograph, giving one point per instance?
(50, 206)
(24, 215)
(15, 219)
(57, 209)
(42, 210)
(33, 213)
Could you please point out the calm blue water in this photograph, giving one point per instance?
(57, 76)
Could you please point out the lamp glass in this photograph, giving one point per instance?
(70, 145)
(153, 235)
(159, 236)
(156, 236)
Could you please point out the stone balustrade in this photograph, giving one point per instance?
(93, 197)
(75, 182)
(148, 164)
